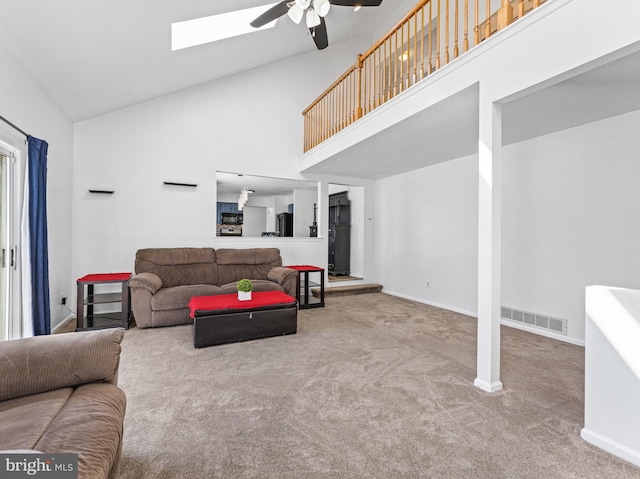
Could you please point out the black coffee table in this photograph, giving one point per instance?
(223, 319)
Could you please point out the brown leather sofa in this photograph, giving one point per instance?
(58, 394)
(167, 278)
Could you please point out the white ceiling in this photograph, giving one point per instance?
(600, 92)
(261, 185)
(96, 56)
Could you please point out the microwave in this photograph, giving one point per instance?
(231, 218)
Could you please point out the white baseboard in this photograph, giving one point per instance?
(430, 303)
(542, 332)
(62, 323)
(611, 446)
(488, 387)
(523, 327)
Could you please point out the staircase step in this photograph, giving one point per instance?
(348, 290)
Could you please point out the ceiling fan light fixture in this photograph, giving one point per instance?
(295, 14)
(322, 7)
(313, 12)
(313, 19)
(303, 4)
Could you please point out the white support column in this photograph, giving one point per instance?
(489, 244)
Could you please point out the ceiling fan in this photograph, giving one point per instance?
(314, 12)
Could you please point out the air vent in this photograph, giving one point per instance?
(535, 320)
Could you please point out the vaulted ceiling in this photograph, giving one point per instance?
(92, 57)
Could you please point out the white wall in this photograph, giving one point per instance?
(612, 371)
(250, 123)
(426, 231)
(303, 201)
(254, 220)
(569, 206)
(27, 106)
(356, 196)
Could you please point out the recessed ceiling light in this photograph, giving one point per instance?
(216, 27)
(357, 7)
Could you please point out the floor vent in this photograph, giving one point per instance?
(542, 321)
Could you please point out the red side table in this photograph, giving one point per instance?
(305, 300)
(94, 320)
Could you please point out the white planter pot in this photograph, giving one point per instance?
(244, 295)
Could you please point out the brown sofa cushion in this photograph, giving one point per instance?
(178, 297)
(90, 425)
(24, 420)
(179, 266)
(172, 317)
(45, 363)
(269, 256)
(251, 263)
(258, 285)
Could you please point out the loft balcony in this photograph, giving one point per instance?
(416, 97)
(431, 35)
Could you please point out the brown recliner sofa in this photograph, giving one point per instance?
(58, 394)
(167, 278)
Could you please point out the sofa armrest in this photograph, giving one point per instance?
(44, 363)
(285, 277)
(149, 281)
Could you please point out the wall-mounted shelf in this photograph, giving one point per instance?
(102, 192)
(173, 183)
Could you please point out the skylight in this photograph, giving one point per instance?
(216, 27)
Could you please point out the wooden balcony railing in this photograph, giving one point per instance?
(431, 35)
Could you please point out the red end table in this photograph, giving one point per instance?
(94, 320)
(305, 300)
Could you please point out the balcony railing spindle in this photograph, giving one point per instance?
(487, 32)
(476, 29)
(430, 42)
(422, 42)
(465, 43)
(397, 61)
(446, 32)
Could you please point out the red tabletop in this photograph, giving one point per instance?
(231, 301)
(103, 277)
(304, 267)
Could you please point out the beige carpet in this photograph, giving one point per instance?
(372, 386)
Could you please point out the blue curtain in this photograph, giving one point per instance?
(38, 247)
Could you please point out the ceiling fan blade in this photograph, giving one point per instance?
(270, 15)
(319, 35)
(354, 3)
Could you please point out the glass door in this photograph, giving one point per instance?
(10, 317)
(5, 248)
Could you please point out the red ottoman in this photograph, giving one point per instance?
(223, 319)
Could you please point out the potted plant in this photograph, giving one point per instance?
(245, 286)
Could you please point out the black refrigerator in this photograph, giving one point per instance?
(284, 225)
(339, 234)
